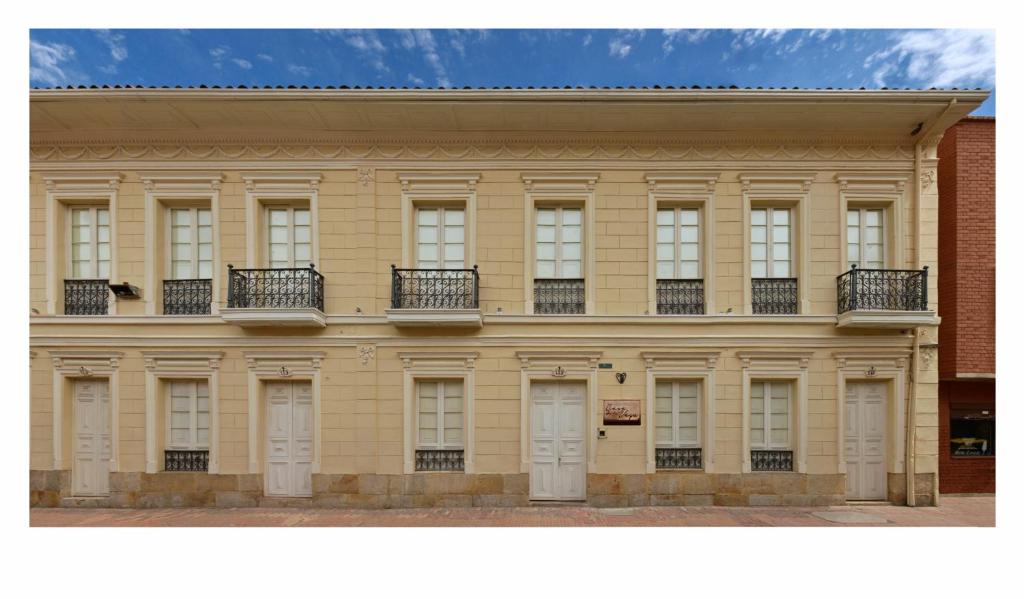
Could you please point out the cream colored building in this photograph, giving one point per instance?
(390, 298)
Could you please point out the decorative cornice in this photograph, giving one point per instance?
(281, 181)
(577, 358)
(173, 360)
(559, 181)
(676, 181)
(707, 360)
(776, 182)
(871, 182)
(181, 180)
(438, 359)
(302, 361)
(774, 359)
(879, 358)
(438, 181)
(83, 182)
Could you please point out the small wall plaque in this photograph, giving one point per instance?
(605, 365)
(621, 412)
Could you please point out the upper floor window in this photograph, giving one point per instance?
(865, 237)
(678, 243)
(290, 239)
(559, 252)
(90, 243)
(440, 238)
(191, 243)
(771, 248)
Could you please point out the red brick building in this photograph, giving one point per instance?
(967, 302)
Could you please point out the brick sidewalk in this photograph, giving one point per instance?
(954, 511)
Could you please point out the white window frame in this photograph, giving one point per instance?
(675, 442)
(290, 229)
(767, 386)
(770, 241)
(559, 224)
(862, 227)
(677, 242)
(193, 415)
(296, 189)
(440, 244)
(193, 238)
(93, 241)
(441, 444)
(429, 365)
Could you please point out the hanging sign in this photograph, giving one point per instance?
(621, 412)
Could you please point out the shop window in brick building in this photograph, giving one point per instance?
(972, 431)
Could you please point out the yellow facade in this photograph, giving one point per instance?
(498, 160)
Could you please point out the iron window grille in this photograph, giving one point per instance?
(275, 288)
(188, 296)
(678, 458)
(881, 289)
(86, 296)
(773, 296)
(558, 296)
(680, 296)
(440, 460)
(187, 460)
(435, 289)
(771, 460)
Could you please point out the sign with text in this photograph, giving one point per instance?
(621, 411)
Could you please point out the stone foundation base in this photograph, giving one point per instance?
(46, 488)
(701, 488)
(420, 489)
(924, 488)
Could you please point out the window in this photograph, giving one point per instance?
(439, 424)
(865, 237)
(770, 425)
(90, 243)
(770, 243)
(289, 237)
(678, 243)
(191, 243)
(559, 243)
(188, 426)
(440, 238)
(972, 431)
(677, 431)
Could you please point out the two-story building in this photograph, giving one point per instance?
(411, 297)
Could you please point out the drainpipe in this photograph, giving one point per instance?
(915, 357)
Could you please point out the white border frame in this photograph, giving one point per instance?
(437, 188)
(438, 365)
(72, 364)
(891, 366)
(182, 364)
(875, 190)
(264, 189)
(679, 365)
(777, 366)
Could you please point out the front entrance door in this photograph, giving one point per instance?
(289, 439)
(865, 440)
(558, 441)
(91, 467)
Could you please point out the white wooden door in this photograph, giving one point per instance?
(91, 467)
(558, 440)
(865, 440)
(289, 439)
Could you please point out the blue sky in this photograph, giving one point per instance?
(869, 58)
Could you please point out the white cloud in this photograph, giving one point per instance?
(746, 38)
(110, 69)
(45, 62)
(300, 70)
(424, 40)
(114, 41)
(415, 80)
(938, 58)
(265, 57)
(242, 63)
(408, 40)
(587, 39)
(622, 44)
(882, 72)
(690, 36)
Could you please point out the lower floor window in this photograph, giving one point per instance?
(439, 426)
(677, 433)
(188, 426)
(972, 431)
(770, 426)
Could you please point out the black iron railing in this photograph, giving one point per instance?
(771, 460)
(876, 289)
(440, 460)
(678, 458)
(773, 296)
(187, 296)
(680, 296)
(86, 296)
(186, 460)
(435, 289)
(275, 288)
(558, 296)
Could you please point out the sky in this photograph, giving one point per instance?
(870, 58)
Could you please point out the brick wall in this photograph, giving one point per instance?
(964, 475)
(967, 219)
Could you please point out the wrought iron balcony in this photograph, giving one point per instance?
(186, 460)
(187, 296)
(435, 289)
(678, 458)
(771, 460)
(773, 296)
(875, 289)
(86, 296)
(440, 460)
(275, 297)
(558, 296)
(680, 296)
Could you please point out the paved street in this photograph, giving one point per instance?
(954, 511)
